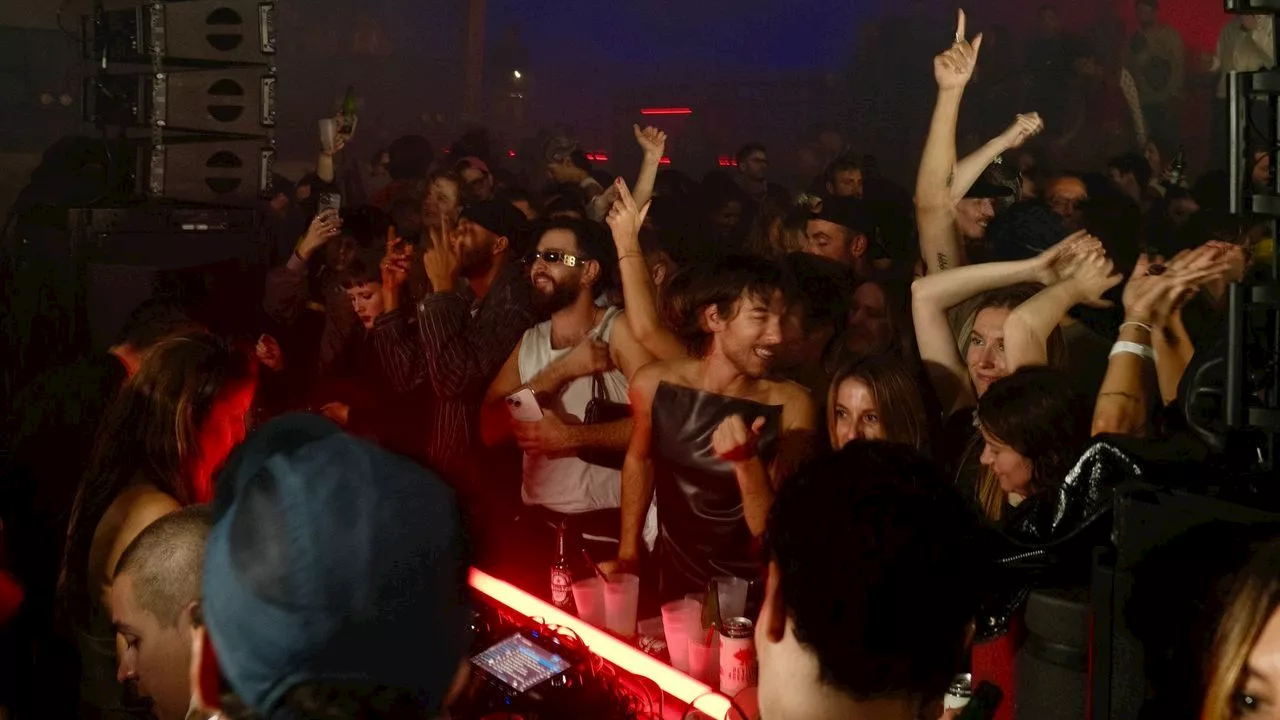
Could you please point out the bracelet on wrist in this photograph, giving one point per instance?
(1132, 348)
(1135, 323)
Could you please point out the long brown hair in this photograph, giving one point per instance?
(151, 432)
(1255, 598)
(896, 394)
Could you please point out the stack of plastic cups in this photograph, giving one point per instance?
(681, 620)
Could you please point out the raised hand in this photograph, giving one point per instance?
(395, 263)
(1093, 276)
(1059, 261)
(444, 259)
(734, 441)
(624, 218)
(954, 67)
(325, 226)
(1155, 290)
(651, 140)
(269, 353)
(1024, 128)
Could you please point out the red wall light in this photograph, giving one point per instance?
(667, 111)
(598, 157)
(665, 161)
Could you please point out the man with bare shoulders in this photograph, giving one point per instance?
(713, 438)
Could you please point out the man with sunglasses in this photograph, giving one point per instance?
(583, 353)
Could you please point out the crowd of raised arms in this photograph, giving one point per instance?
(853, 394)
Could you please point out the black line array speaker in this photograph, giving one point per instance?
(191, 86)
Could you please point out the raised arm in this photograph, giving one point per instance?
(932, 296)
(1028, 327)
(1153, 291)
(971, 166)
(654, 143)
(935, 210)
(638, 291)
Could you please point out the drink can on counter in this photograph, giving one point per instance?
(737, 656)
(959, 692)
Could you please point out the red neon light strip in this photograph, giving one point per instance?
(667, 111)
(672, 681)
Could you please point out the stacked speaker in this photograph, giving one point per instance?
(189, 89)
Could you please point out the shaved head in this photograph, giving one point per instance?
(165, 561)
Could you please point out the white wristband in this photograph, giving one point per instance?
(1123, 346)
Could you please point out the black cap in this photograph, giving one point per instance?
(984, 188)
(848, 212)
(498, 217)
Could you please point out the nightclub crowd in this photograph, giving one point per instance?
(854, 394)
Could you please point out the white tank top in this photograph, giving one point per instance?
(566, 484)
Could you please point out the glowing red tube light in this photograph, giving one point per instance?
(667, 111)
(672, 681)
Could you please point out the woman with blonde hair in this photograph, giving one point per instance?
(1243, 675)
(875, 398)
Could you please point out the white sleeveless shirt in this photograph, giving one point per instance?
(566, 484)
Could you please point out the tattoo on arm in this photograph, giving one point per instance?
(943, 261)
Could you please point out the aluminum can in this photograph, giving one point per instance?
(738, 670)
(959, 692)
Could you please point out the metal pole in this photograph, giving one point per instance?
(1235, 152)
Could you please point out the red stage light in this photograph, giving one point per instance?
(665, 161)
(597, 157)
(667, 111)
(672, 681)
(511, 153)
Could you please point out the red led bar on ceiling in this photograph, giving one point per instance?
(667, 111)
(672, 681)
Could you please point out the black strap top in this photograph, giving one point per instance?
(702, 531)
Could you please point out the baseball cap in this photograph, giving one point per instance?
(498, 217)
(848, 212)
(332, 560)
(984, 188)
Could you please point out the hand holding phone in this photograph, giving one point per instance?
(523, 405)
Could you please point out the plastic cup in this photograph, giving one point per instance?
(328, 134)
(680, 621)
(621, 598)
(732, 593)
(588, 595)
(704, 659)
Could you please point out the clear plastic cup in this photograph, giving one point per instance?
(704, 659)
(681, 619)
(588, 595)
(732, 593)
(328, 134)
(621, 598)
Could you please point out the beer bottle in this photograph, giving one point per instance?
(562, 572)
(349, 110)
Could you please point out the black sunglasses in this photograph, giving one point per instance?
(551, 257)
